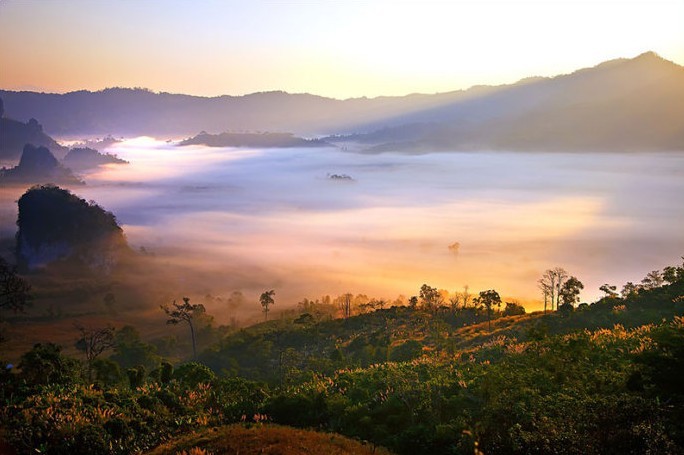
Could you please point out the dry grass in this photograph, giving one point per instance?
(265, 439)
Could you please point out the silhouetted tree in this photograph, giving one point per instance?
(652, 280)
(266, 300)
(513, 309)
(629, 290)
(609, 290)
(430, 297)
(14, 290)
(184, 312)
(94, 342)
(345, 303)
(551, 284)
(570, 291)
(489, 299)
(413, 302)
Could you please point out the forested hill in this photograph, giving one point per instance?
(624, 104)
(592, 379)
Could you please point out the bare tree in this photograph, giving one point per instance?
(266, 301)
(547, 291)
(184, 312)
(94, 342)
(561, 276)
(455, 301)
(551, 284)
(345, 303)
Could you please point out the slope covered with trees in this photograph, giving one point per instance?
(599, 378)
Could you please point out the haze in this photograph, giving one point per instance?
(255, 219)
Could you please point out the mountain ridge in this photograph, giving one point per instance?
(619, 104)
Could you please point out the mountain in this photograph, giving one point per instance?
(624, 104)
(274, 140)
(38, 165)
(81, 158)
(14, 135)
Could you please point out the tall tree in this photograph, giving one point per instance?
(184, 312)
(489, 299)
(266, 300)
(551, 284)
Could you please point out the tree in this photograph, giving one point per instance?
(551, 284)
(94, 342)
(345, 303)
(14, 290)
(513, 309)
(489, 299)
(455, 301)
(547, 291)
(266, 301)
(609, 290)
(45, 364)
(130, 350)
(652, 280)
(629, 290)
(570, 291)
(430, 297)
(185, 312)
(413, 302)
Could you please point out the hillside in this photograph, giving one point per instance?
(267, 439)
(593, 379)
(620, 105)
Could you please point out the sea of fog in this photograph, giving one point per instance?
(256, 219)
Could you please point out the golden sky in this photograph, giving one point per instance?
(332, 48)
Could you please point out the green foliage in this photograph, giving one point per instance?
(193, 373)
(45, 364)
(130, 351)
(14, 290)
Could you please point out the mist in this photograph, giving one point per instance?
(252, 220)
(222, 220)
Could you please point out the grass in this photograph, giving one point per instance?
(264, 439)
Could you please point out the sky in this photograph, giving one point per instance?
(338, 49)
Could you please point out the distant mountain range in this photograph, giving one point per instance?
(254, 140)
(624, 104)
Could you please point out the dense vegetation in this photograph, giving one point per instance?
(600, 378)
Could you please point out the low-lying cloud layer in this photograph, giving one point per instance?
(252, 220)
